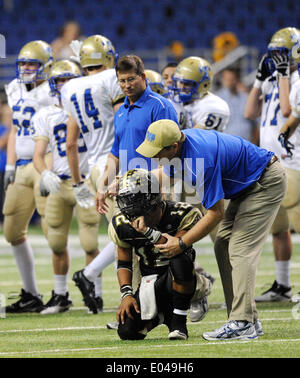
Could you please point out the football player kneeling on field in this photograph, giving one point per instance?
(168, 282)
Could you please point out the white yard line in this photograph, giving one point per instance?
(139, 347)
(104, 327)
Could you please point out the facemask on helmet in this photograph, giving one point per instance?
(285, 41)
(192, 79)
(139, 193)
(64, 69)
(34, 62)
(155, 82)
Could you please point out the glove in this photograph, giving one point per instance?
(282, 63)
(50, 183)
(75, 46)
(285, 143)
(262, 71)
(84, 197)
(9, 175)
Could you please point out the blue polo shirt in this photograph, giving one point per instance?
(131, 123)
(218, 165)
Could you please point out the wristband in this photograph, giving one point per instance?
(152, 235)
(182, 245)
(257, 84)
(77, 185)
(126, 290)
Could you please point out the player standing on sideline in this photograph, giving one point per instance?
(269, 98)
(91, 102)
(168, 284)
(51, 130)
(28, 93)
(254, 182)
(288, 129)
(192, 82)
(156, 84)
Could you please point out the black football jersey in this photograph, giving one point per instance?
(151, 260)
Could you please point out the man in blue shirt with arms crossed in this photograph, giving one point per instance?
(219, 167)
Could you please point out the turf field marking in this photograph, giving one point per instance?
(104, 327)
(140, 346)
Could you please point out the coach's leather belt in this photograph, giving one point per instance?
(272, 160)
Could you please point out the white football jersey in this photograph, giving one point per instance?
(272, 119)
(25, 104)
(50, 124)
(182, 115)
(211, 112)
(90, 102)
(294, 161)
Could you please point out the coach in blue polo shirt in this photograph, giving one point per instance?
(141, 108)
(221, 166)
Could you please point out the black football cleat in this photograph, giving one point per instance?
(26, 303)
(87, 289)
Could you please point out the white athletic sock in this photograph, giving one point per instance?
(61, 284)
(283, 272)
(25, 261)
(105, 258)
(98, 286)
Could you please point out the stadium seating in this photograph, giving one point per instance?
(144, 24)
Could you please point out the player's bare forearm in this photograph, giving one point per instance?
(253, 105)
(292, 123)
(205, 225)
(110, 173)
(11, 147)
(124, 275)
(73, 134)
(39, 155)
(284, 92)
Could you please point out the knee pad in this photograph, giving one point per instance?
(88, 235)
(292, 196)
(88, 216)
(182, 268)
(18, 209)
(55, 211)
(294, 216)
(57, 240)
(281, 222)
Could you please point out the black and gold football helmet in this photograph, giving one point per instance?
(139, 193)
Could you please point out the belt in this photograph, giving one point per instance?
(66, 177)
(20, 162)
(273, 159)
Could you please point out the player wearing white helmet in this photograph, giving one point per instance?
(28, 93)
(51, 131)
(269, 98)
(91, 102)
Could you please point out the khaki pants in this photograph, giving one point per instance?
(241, 237)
